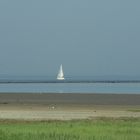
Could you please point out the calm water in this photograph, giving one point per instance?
(71, 87)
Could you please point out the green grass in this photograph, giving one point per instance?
(134, 110)
(97, 129)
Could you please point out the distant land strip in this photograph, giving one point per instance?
(71, 81)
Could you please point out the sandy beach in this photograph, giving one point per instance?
(67, 106)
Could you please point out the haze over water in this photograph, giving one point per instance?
(89, 37)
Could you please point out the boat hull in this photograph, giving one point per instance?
(62, 78)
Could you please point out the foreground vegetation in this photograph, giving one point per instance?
(97, 129)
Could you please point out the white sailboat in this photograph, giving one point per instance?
(60, 75)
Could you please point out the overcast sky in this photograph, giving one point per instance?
(89, 37)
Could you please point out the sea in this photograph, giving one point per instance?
(86, 84)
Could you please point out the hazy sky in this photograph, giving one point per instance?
(89, 37)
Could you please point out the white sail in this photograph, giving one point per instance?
(60, 75)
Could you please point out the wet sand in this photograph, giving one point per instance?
(66, 106)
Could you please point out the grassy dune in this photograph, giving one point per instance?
(97, 129)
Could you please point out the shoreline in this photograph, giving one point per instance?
(71, 98)
(67, 106)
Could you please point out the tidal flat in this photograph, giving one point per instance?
(67, 106)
